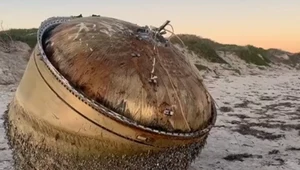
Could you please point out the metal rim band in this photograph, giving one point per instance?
(53, 22)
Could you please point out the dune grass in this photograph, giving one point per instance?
(201, 47)
(254, 55)
(25, 35)
(207, 49)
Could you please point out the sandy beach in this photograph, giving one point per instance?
(258, 124)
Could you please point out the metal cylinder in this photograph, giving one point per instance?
(57, 121)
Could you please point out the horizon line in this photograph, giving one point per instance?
(222, 43)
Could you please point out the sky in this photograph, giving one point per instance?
(263, 23)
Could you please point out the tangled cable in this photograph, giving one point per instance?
(158, 32)
(155, 35)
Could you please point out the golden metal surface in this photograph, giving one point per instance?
(158, 89)
(46, 106)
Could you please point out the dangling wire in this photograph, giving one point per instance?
(184, 46)
(153, 78)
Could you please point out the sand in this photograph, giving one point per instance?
(257, 126)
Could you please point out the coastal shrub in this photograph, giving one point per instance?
(201, 47)
(25, 35)
(254, 55)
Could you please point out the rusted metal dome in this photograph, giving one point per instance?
(101, 93)
(131, 70)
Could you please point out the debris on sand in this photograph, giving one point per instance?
(293, 149)
(279, 162)
(247, 130)
(226, 109)
(273, 152)
(244, 104)
(241, 157)
(241, 116)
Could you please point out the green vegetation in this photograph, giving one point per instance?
(295, 58)
(254, 55)
(207, 48)
(230, 47)
(202, 47)
(25, 35)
